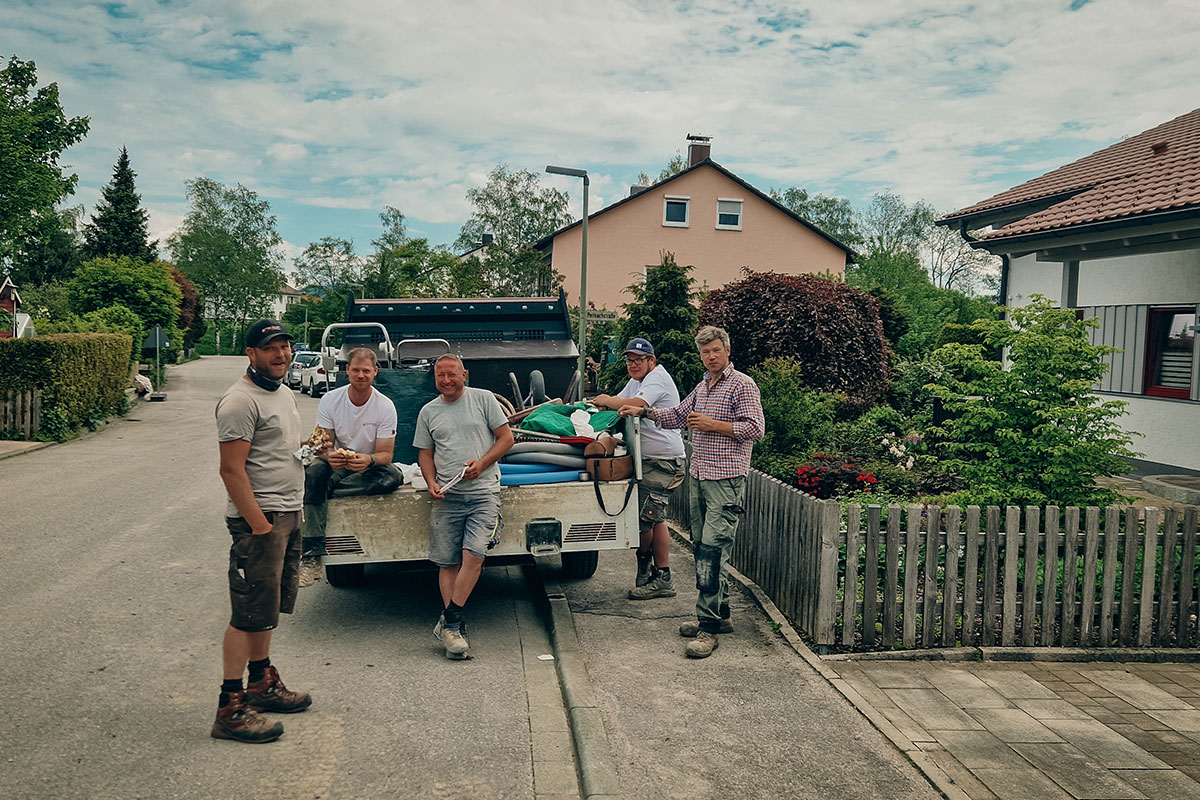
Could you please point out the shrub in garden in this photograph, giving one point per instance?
(825, 476)
(832, 330)
(1031, 432)
(797, 418)
(662, 312)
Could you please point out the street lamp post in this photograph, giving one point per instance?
(580, 173)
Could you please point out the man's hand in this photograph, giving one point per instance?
(336, 459)
(607, 401)
(702, 422)
(435, 491)
(632, 411)
(260, 530)
(473, 469)
(358, 462)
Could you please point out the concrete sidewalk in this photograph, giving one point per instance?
(761, 717)
(752, 721)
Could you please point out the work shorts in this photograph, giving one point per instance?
(264, 571)
(469, 521)
(660, 476)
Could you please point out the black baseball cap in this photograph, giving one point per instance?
(260, 333)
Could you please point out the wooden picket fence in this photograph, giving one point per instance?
(21, 412)
(923, 576)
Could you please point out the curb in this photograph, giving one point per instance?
(33, 447)
(1161, 486)
(1144, 655)
(597, 773)
(917, 757)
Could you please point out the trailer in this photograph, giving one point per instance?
(520, 349)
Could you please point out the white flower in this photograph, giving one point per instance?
(910, 462)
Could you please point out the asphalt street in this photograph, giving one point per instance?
(115, 603)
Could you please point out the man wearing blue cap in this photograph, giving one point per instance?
(663, 466)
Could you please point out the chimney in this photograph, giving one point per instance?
(699, 147)
(637, 188)
(485, 240)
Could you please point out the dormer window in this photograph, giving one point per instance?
(729, 214)
(675, 211)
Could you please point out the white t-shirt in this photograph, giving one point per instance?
(656, 389)
(357, 427)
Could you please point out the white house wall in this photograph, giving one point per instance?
(1161, 278)
(1170, 429)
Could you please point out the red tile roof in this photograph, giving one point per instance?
(1157, 170)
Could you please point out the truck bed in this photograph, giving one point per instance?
(395, 527)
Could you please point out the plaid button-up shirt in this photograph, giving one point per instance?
(732, 398)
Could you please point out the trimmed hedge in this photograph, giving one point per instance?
(831, 329)
(83, 375)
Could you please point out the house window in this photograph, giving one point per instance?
(1170, 352)
(729, 214)
(675, 212)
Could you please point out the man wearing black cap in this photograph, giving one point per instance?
(259, 428)
(663, 467)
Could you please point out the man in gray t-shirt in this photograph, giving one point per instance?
(258, 430)
(460, 436)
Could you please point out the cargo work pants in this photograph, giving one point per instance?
(715, 507)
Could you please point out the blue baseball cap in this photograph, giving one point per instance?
(640, 345)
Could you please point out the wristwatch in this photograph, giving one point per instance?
(372, 462)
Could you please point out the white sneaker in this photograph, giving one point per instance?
(455, 642)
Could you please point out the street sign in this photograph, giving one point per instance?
(157, 339)
(601, 315)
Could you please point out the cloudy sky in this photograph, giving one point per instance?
(331, 110)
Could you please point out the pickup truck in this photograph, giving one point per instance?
(497, 338)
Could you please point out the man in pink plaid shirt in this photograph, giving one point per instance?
(724, 413)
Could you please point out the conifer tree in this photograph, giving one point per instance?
(120, 225)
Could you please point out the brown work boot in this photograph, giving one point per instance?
(238, 721)
(269, 694)
(703, 645)
(688, 630)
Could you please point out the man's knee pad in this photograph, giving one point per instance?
(708, 568)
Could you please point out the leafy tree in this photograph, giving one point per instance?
(894, 313)
(889, 224)
(895, 270)
(34, 132)
(514, 209)
(954, 264)
(834, 215)
(329, 264)
(229, 248)
(662, 311)
(47, 302)
(517, 212)
(52, 252)
(146, 289)
(833, 330)
(1031, 432)
(120, 226)
(190, 320)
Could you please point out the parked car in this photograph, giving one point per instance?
(299, 362)
(315, 380)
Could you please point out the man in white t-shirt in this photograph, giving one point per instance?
(358, 418)
(663, 466)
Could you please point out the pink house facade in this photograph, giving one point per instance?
(709, 218)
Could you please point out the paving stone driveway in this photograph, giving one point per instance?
(1050, 731)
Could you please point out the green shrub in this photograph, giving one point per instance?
(1031, 432)
(863, 437)
(833, 330)
(118, 319)
(797, 418)
(83, 376)
(825, 476)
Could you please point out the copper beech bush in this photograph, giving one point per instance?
(832, 329)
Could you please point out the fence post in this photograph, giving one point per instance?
(830, 524)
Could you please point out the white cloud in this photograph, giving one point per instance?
(355, 105)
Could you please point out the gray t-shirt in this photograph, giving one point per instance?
(459, 432)
(270, 421)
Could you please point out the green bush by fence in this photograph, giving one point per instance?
(83, 376)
